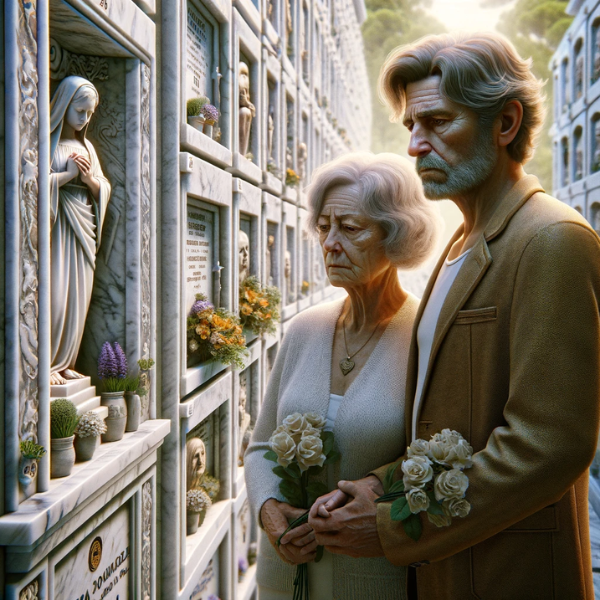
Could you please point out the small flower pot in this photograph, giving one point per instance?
(134, 411)
(193, 521)
(62, 457)
(117, 415)
(196, 122)
(86, 446)
(208, 128)
(28, 468)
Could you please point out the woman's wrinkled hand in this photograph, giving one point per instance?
(299, 544)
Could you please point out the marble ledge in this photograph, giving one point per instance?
(196, 142)
(247, 586)
(271, 183)
(242, 167)
(40, 513)
(201, 546)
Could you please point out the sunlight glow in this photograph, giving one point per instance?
(467, 15)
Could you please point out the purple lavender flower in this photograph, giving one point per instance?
(200, 305)
(213, 597)
(242, 565)
(107, 362)
(210, 112)
(121, 360)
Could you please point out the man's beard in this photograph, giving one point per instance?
(468, 174)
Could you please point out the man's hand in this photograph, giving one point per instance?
(351, 529)
(325, 504)
(300, 545)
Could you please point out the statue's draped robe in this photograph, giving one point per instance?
(76, 220)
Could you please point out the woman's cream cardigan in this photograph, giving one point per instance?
(369, 432)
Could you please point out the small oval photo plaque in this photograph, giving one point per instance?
(95, 555)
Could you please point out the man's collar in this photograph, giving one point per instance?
(516, 197)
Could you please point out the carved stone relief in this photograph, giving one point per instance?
(30, 592)
(63, 63)
(145, 230)
(28, 203)
(146, 540)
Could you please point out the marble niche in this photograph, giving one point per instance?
(120, 249)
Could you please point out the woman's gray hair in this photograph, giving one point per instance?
(390, 194)
(481, 71)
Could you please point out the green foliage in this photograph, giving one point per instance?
(391, 23)
(259, 306)
(63, 418)
(400, 509)
(536, 27)
(29, 449)
(145, 364)
(413, 527)
(211, 485)
(114, 384)
(194, 106)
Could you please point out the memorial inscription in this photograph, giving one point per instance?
(199, 254)
(208, 586)
(200, 41)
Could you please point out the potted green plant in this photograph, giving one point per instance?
(197, 503)
(87, 435)
(63, 421)
(195, 118)
(28, 467)
(112, 370)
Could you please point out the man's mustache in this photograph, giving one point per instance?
(431, 162)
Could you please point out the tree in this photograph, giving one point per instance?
(391, 23)
(536, 27)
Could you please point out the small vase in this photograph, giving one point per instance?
(196, 122)
(28, 468)
(117, 415)
(62, 457)
(134, 411)
(192, 519)
(208, 128)
(86, 446)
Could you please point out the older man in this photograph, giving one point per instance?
(505, 348)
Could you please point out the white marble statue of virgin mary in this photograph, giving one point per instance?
(79, 195)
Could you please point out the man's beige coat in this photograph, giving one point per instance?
(515, 368)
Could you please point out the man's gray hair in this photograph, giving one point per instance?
(390, 194)
(482, 71)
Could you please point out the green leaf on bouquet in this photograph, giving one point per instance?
(435, 508)
(400, 509)
(281, 472)
(291, 492)
(397, 486)
(315, 490)
(327, 437)
(413, 527)
(319, 553)
(294, 470)
(388, 480)
(270, 455)
(332, 458)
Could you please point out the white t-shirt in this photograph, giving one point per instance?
(428, 324)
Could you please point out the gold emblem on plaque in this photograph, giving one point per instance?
(95, 555)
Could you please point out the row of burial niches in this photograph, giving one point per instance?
(100, 256)
(270, 137)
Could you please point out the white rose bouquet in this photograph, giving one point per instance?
(432, 482)
(301, 448)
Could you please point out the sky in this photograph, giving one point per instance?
(467, 14)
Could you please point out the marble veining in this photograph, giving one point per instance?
(28, 205)
(40, 513)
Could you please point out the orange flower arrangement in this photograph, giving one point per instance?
(259, 306)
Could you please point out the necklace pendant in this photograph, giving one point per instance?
(346, 365)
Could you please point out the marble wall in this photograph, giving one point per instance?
(181, 193)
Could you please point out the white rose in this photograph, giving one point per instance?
(417, 499)
(450, 484)
(417, 471)
(309, 452)
(315, 420)
(418, 448)
(459, 455)
(437, 448)
(311, 431)
(456, 507)
(451, 437)
(439, 520)
(284, 446)
(295, 424)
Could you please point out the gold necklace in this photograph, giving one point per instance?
(347, 364)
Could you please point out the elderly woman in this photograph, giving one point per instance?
(346, 360)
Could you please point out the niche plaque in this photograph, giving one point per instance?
(199, 254)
